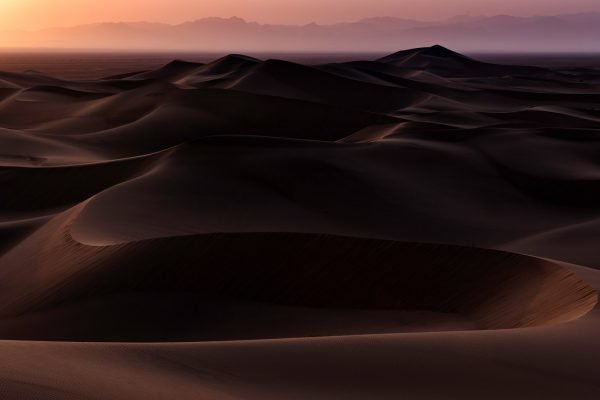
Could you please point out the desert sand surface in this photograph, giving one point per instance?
(422, 226)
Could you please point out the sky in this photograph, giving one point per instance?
(38, 14)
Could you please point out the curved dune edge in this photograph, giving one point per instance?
(422, 146)
(49, 270)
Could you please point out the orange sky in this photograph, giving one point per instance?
(35, 14)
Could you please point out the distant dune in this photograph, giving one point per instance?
(501, 33)
(407, 227)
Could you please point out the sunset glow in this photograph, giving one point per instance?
(36, 14)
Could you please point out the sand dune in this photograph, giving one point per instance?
(445, 62)
(249, 229)
(276, 269)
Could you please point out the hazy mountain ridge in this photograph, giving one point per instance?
(569, 32)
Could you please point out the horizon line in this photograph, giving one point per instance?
(267, 53)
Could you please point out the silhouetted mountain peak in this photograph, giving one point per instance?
(218, 20)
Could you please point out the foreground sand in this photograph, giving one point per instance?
(253, 229)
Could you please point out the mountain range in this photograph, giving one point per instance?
(500, 33)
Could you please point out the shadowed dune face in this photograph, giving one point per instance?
(241, 187)
(236, 286)
(230, 203)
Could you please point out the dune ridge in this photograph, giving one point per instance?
(259, 229)
(493, 289)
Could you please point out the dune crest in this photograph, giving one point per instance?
(261, 229)
(257, 273)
